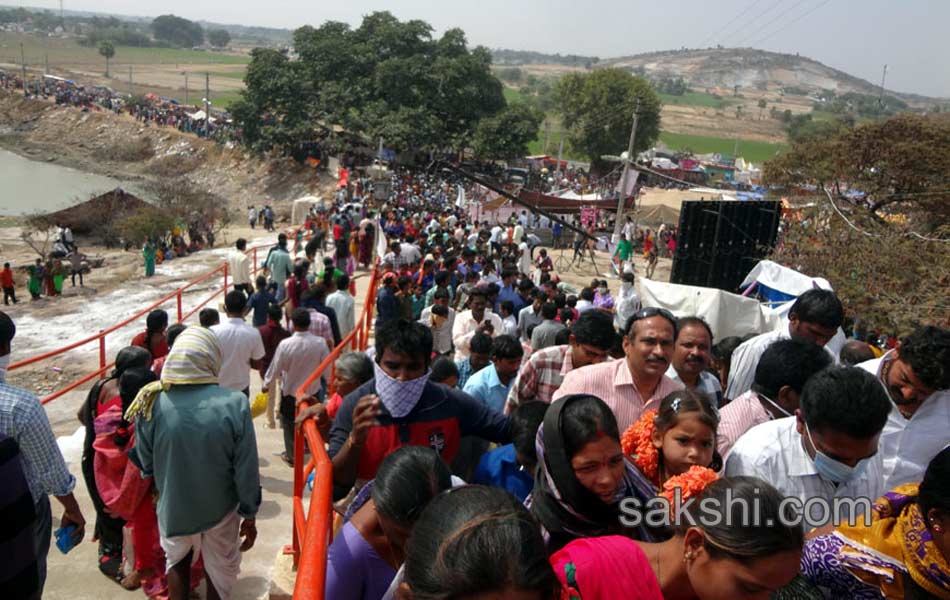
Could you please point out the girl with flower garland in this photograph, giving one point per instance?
(743, 554)
(678, 439)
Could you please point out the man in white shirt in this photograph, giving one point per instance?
(342, 304)
(478, 318)
(295, 359)
(916, 376)
(530, 315)
(691, 358)
(440, 321)
(239, 267)
(241, 346)
(628, 301)
(815, 316)
(496, 236)
(784, 368)
(827, 454)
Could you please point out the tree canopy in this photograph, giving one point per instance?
(219, 38)
(597, 110)
(886, 253)
(177, 31)
(507, 134)
(387, 78)
(901, 164)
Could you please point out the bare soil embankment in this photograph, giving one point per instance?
(120, 147)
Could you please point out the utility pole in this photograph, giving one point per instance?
(547, 132)
(207, 103)
(560, 151)
(626, 174)
(46, 61)
(131, 89)
(883, 76)
(23, 67)
(185, 73)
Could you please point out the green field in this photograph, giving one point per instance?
(512, 95)
(696, 99)
(61, 51)
(749, 150)
(229, 74)
(225, 99)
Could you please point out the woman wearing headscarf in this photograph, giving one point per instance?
(220, 465)
(104, 395)
(583, 475)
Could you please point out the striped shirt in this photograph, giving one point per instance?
(295, 359)
(737, 417)
(541, 376)
(613, 383)
(320, 327)
(22, 418)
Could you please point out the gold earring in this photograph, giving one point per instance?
(688, 556)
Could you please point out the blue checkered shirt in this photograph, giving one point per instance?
(23, 418)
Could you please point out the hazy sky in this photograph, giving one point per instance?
(856, 36)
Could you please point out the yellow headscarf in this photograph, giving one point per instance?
(194, 359)
(896, 541)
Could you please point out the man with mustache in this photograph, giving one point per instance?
(916, 376)
(637, 382)
(691, 358)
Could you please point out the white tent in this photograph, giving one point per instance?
(302, 208)
(727, 314)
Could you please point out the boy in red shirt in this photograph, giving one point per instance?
(6, 282)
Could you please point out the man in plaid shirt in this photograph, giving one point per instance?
(23, 419)
(591, 338)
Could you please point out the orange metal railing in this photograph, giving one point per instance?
(100, 337)
(312, 531)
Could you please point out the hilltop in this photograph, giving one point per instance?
(753, 69)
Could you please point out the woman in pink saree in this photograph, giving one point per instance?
(124, 492)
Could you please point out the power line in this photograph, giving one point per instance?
(790, 23)
(730, 22)
(749, 22)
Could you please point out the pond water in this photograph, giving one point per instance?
(28, 186)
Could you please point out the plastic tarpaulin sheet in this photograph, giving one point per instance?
(727, 314)
(302, 207)
(782, 279)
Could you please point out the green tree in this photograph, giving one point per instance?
(887, 255)
(176, 31)
(107, 50)
(507, 134)
(387, 78)
(762, 104)
(597, 111)
(901, 164)
(219, 38)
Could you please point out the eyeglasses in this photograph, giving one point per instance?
(652, 311)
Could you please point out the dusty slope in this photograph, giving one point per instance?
(79, 139)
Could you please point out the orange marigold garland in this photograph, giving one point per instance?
(691, 483)
(637, 443)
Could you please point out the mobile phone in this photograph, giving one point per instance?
(64, 538)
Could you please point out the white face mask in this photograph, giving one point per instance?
(626, 285)
(4, 364)
(775, 404)
(603, 291)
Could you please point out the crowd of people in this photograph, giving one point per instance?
(47, 277)
(507, 435)
(148, 109)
